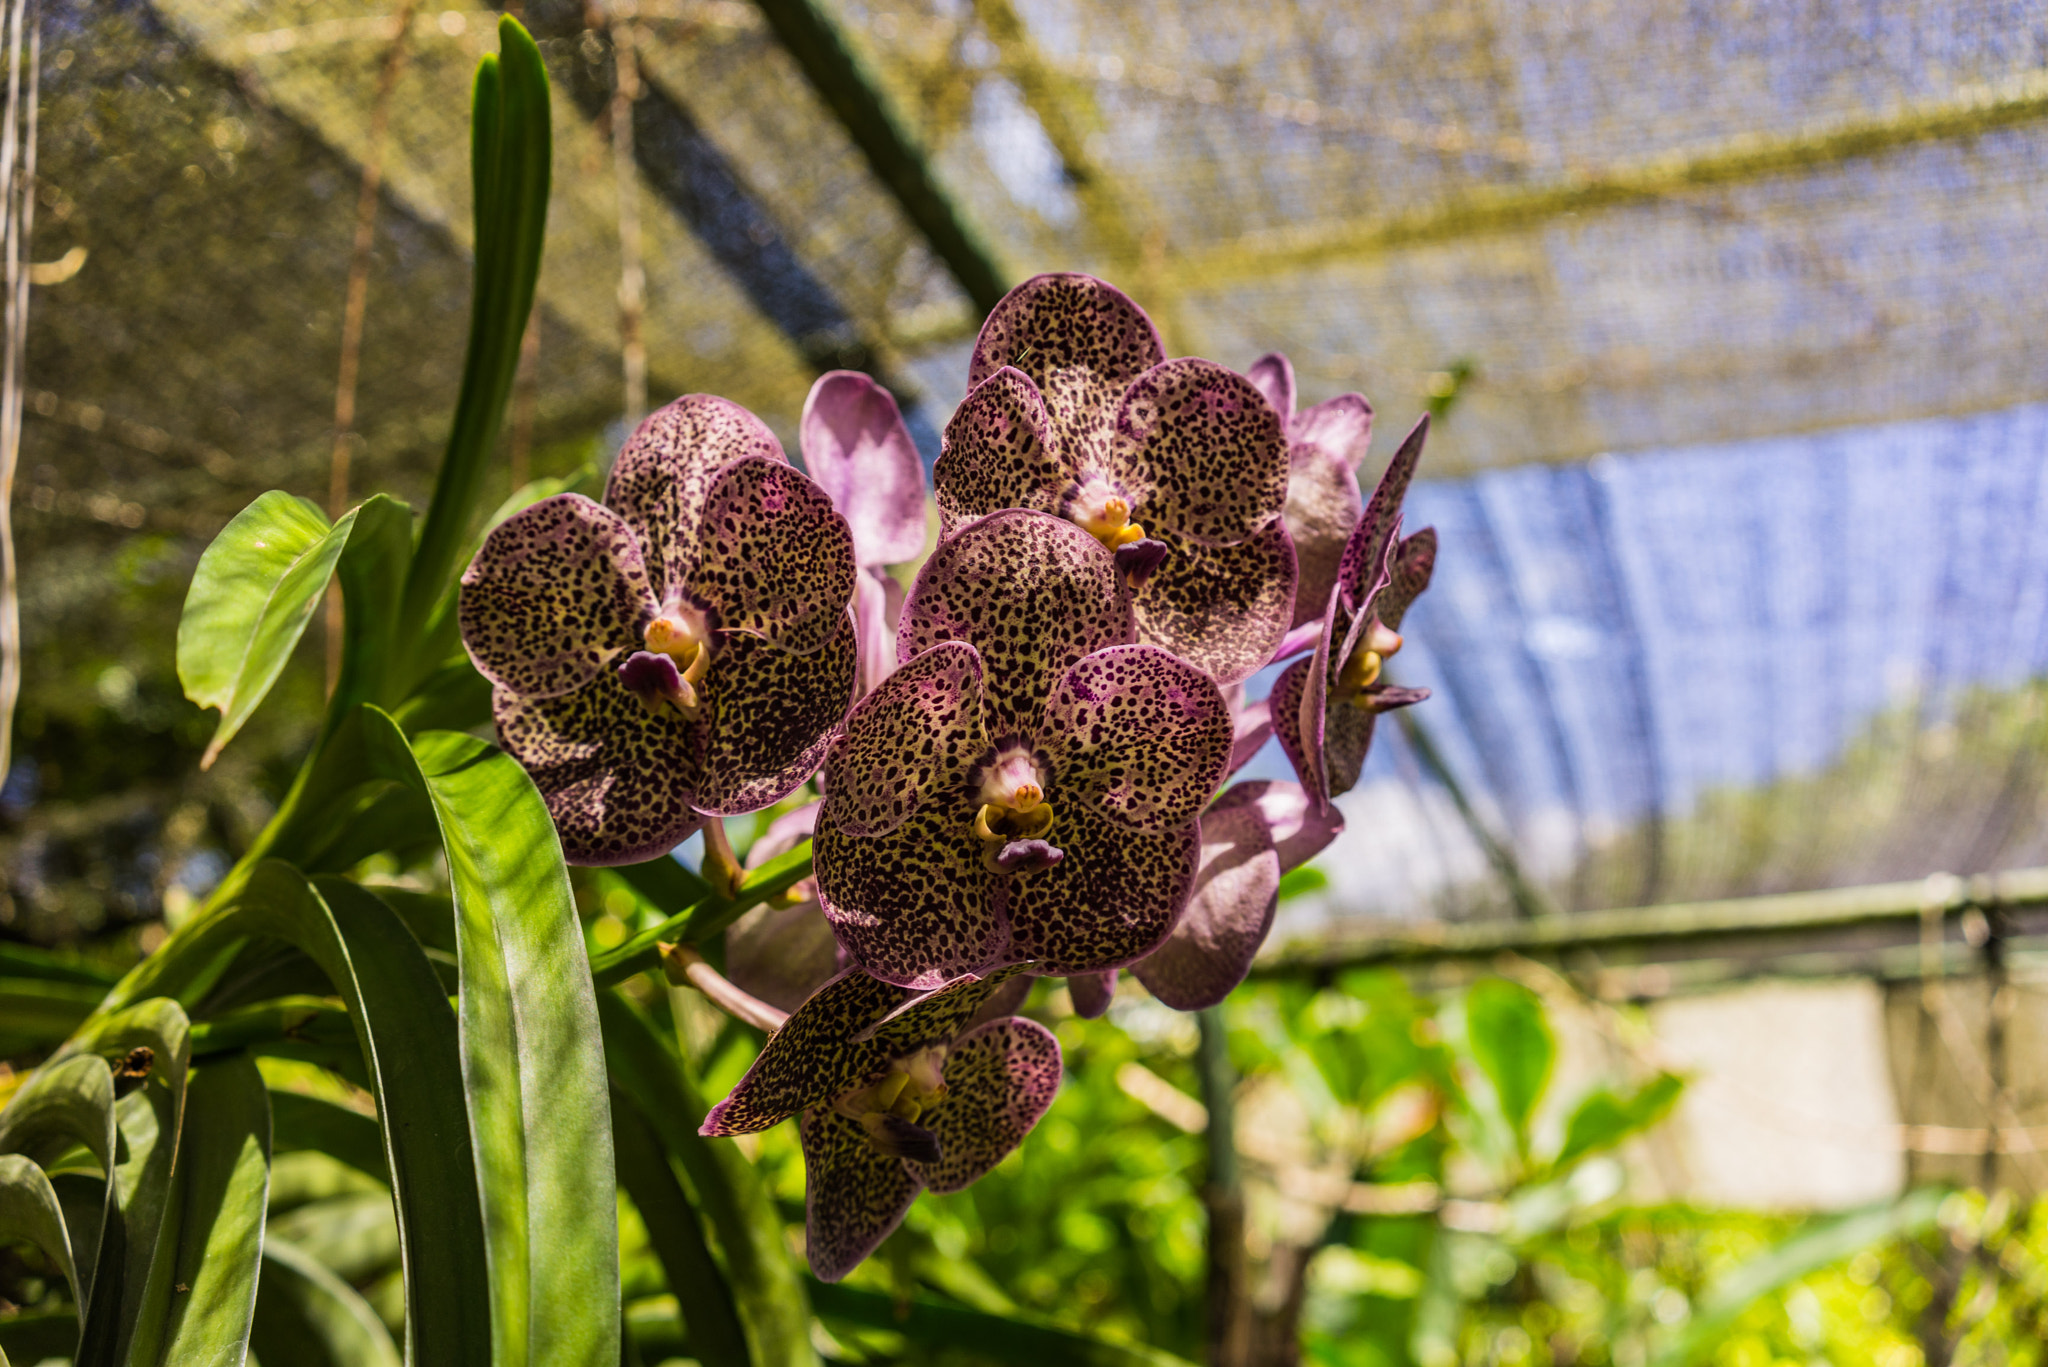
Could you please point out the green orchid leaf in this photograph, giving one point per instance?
(66, 1104)
(37, 1338)
(372, 572)
(532, 1067)
(454, 697)
(38, 1014)
(1604, 1118)
(306, 1314)
(693, 1276)
(351, 1235)
(26, 961)
(201, 1293)
(1511, 1042)
(993, 1338)
(29, 1211)
(308, 1124)
(766, 1289)
(510, 153)
(701, 918)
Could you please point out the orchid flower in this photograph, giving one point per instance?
(856, 447)
(1325, 445)
(1025, 786)
(899, 1092)
(784, 950)
(681, 650)
(1178, 467)
(1253, 835)
(1323, 707)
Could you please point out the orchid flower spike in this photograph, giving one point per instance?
(856, 447)
(1026, 785)
(1323, 707)
(899, 1092)
(1179, 468)
(682, 649)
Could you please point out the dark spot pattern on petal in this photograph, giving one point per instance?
(1081, 340)
(999, 452)
(1414, 563)
(1032, 593)
(919, 732)
(659, 481)
(853, 1196)
(1200, 453)
(1092, 993)
(1365, 553)
(618, 779)
(1110, 901)
(813, 1058)
(1222, 608)
(775, 558)
(557, 593)
(1137, 736)
(999, 1080)
(1229, 914)
(937, 1016)
(771, 716)
(915, 905)
(1323, 505)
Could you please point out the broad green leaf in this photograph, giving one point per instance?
(938, 1324)
(1511, 1042)
(29, 1212)
(68, 1102)
(352, 1235)
(510, 151)
(372, 572)
(201, 1292)
(532, 1065)
(1820, 1244)
(300, 1122)
(38, 1013)
(1603, 1118)
(307, 1315)
(256, 588)
(26, 961)
(727, 1189)
(672, 1227)
(453, 697)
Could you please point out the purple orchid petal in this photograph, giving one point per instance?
(999, 1080)
(915, 905)
(772, 714)
(939, 1015)
(1414, 563)
(856, 447)
(1348, 736)
(1225, 609)
(1032, 593)
(659, 482)
(1341, 427)
(1138, 561)
(557, 592)
(1273, 374)
(653, 679)
(1251, 728)
(1081, 341)
(999, 452)
(1136, 737)
(1300, 638)
(619, 781)
(1228, 916)
(1323, 505)
(1284, 705)
(877, 607)
(781, 955)
(1028, 856)
(1300, 832)
(1365, 553)
(1092, 993)
(854, 1196)
(1007, 1000)
(775, 557)
(784, 834)
(1109, 902)
(1199, 453)
(813, 1058)
(915, 735)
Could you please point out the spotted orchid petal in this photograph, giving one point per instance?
(618, 779)
(1109, 902)
(775, 558)
(557, 593)
(999, 1080)
(1228, 914)
(772, 718)
(854, 1195)
(1199, 453)
(659, 482)
(1092, 993)
(999, 452)
(914, 736)
(877, 607)
(1007, 1000)
(1365, 553)
(856, 447)
(1136, 736)
(1273, 375)
(1032, 593)
(1081, 341)
(1225, 609)
(1414, 563)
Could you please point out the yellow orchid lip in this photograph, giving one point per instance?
(1105, 514)
(682, 634)
(1362, 670)
(911, 1087)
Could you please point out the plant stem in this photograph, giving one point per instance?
(1229, 1292)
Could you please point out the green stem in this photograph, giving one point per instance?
(701, 919)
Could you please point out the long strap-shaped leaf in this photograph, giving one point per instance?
(65, 1103)
(770, 1299)
(532, 1062)
(201, 1292)
(693, 1276)
(308, 1317)
(29, 1212)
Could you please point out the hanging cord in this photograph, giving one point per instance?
(353, 305)
(18, 194)
(619, 16)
